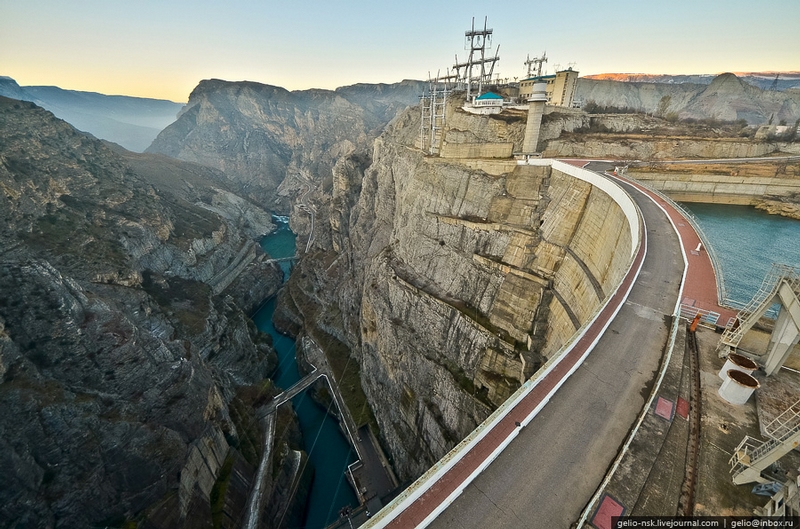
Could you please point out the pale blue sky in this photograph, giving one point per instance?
(164, 48)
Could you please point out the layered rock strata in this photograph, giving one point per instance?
(270, 141)
(451, 279)
(127, 386)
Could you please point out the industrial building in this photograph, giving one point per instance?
(560, 87)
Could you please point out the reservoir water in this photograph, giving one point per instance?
(328, 450)
(747, 241)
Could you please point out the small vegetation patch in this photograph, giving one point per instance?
(218, 492)
(187, 301)
(189, 221)
(250, 435)
(67, 231)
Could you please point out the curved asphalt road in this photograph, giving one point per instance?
(547, 475)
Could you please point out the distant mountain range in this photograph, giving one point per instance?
(726, 97)
(133, 122)
(763, 80)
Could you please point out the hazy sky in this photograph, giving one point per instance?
(164, 48)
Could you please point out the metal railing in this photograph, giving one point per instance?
(780, 429)
(780, 426)
(722, 293)
(707, 317)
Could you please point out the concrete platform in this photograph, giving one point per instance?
(649, 479)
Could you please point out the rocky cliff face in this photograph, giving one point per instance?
(725, 98)
(123, 375)
(263, 136)
(447, 278)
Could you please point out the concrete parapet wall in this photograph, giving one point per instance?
(602, 231)
(476, 150)
(573, 285)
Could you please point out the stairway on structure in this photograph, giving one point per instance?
(753, 456)
(781, 286)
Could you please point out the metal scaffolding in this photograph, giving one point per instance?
(753, 456)
(433, 105)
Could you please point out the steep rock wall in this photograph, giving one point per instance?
(453, 279)
(271, 141)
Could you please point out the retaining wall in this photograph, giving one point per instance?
(718, 189)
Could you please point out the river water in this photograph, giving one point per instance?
(747, 241)
(328, 450)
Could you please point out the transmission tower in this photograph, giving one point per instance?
(478, 69)
(535, 61)
(774, 86)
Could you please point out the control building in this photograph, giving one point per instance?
(560, 87)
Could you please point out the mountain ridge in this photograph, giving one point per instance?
(132, 122)
(763, 80)
(726, 97)
(128, 372)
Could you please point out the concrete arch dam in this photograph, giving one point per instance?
(616, 288)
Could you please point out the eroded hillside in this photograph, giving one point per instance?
(726, 98)
(128, 367)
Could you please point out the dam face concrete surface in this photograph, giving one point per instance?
(548, 474)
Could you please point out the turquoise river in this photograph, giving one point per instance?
(747, 241)
(328, 450)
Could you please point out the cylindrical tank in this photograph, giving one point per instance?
(738, 387)
(738, 362)
(539, 93)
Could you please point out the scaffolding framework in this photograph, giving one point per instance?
(433, 105)
(753, 456)
(781, 287)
